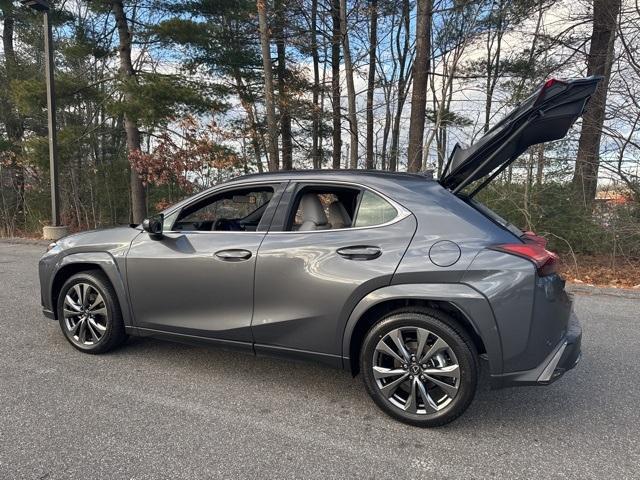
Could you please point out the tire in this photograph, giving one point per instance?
(103, 325)
(395, 386)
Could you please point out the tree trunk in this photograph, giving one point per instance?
(128, 74)
(315, 125)
(420, 84)
(493, 62)
(335, 82)
(251, 118)
(371, 83)
(283, 98)
(272, 127)
(403, 53)
(540, 165)
(351, 91)
(599, 62)
(13, 122)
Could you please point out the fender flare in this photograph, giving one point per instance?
(105, 262)
(472, 304)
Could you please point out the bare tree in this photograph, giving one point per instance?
(315, 125)
(420, 84)
(283, 100)
(351, 91)
(272, 126)
(128, 74)
(404, 59)
(599, 62)
(371, 80)
(335, 82)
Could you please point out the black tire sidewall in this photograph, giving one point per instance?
(451, 333)
(97, 281)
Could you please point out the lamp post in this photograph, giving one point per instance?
(55, 231)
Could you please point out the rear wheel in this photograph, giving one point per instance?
(420, 367)
(89, 313)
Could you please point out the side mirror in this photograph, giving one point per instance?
(153, 225)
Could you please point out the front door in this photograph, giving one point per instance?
(198, 278)
(337, 243)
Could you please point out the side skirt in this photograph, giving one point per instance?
(334, 361)
(190, 339)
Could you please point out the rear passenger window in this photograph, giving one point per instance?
(373, 210)
(324, 208)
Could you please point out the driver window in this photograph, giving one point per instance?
(234, 210)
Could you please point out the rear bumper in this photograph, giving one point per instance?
(562, 358)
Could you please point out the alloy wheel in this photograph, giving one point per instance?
(416, 370)
(85, 314)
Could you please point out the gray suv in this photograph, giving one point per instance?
(406, 280)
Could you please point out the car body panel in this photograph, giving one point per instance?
(302, 271)
(471, 303)
(443, 217)
(106, 249)
(178, 284)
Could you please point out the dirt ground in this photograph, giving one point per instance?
(601, 270)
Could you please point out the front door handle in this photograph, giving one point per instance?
(233, 255)
(360, 252)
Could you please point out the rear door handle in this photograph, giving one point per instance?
(361, 252)
(233, 255)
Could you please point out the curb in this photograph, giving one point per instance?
(24, 241)
(578, 289)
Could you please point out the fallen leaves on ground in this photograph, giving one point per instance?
(601, 270)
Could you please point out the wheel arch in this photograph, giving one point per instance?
(465, 305)
(85, 262)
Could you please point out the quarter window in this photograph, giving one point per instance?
(374, 210)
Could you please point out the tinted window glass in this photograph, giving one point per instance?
(236, 210)
(374, 210)
(323, 208)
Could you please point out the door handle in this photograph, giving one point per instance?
(233, 255)
(361, 252)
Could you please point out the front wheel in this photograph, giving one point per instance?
(89, 313)
(420, 367)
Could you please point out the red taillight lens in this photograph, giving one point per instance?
(546, 262)
(552, 82)
(530, 237)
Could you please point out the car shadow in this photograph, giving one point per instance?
(566, 400)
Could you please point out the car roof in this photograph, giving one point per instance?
(343, 174)
(389, 183)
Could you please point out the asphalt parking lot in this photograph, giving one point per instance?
(160, 410)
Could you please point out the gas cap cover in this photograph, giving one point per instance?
(444, 253)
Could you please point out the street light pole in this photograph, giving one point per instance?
(51, 118)
(55, 231)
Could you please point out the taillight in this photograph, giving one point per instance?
(546, 262)
(530, 237)
(546, 86)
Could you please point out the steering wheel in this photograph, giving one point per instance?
(226, 224)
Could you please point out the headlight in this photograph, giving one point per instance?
(52, 247)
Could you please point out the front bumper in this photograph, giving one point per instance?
(563, 358)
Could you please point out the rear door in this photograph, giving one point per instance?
(546, 115)
(308, 281)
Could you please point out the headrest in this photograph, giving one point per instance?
(312, 210)
(338, 216)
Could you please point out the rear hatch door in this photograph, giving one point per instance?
(544, 116)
